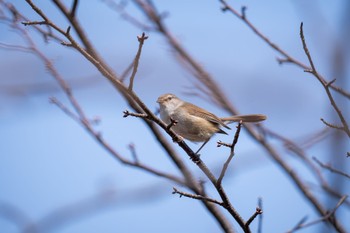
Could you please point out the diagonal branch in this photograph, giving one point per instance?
(330, 168)
(232, 153)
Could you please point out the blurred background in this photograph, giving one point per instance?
(54, 174)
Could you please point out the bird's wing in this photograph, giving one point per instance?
(200, 112)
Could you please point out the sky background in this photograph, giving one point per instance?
(48, 162)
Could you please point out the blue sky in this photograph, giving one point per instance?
(47, 161)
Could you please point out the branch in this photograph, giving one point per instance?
(324, 83)
(140, 115)
(172, 123)
(232, 153)
(331, 125)
(139, 106)
(141, 40)
(216, 93)
(197, 197)
(257, 212)
(330, 168)
(286, 57)
(74, 8)
(260, 205)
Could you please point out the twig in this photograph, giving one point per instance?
(68, 112)
(74, 8)
(257, 212)
(172, 123)
(324, 83)
(286, 56)
(133, 153)
(232, 153)
(330, 168)
(298, 225)
(141, 115)
(141, 40)
(221, 143)
(120, 9)
(197, 197)
(260, 205)
(331, 125)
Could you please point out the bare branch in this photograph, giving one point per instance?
(331, 125)
(330, 168)
(197, 197)
(172, 123)
(74, 8)
(141, 115)
(133, 153)
(286, 57)
(232, 153)
(257, 212)
(324, 83)
(141, 40)
(260, 205)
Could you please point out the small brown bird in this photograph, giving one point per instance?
(194, 123)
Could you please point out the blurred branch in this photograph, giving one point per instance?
(14, 214)
(74, 8)
(120, 9)
(300, 153)
(88, 46)
(330, 168)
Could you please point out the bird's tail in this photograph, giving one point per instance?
(244, 118)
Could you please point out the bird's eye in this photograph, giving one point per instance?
(169, 97)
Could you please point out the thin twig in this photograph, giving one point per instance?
(197, 197)
(141, 115)
(141, 39)
(172, 123)
(326, 85)
(260, 221)
(257, 212)
(232, 153)
(133, 153)
(332, 125)
(74, 8)
(330, 168)
(298, 225)
(286, 57)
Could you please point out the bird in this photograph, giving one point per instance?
(195, 123)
